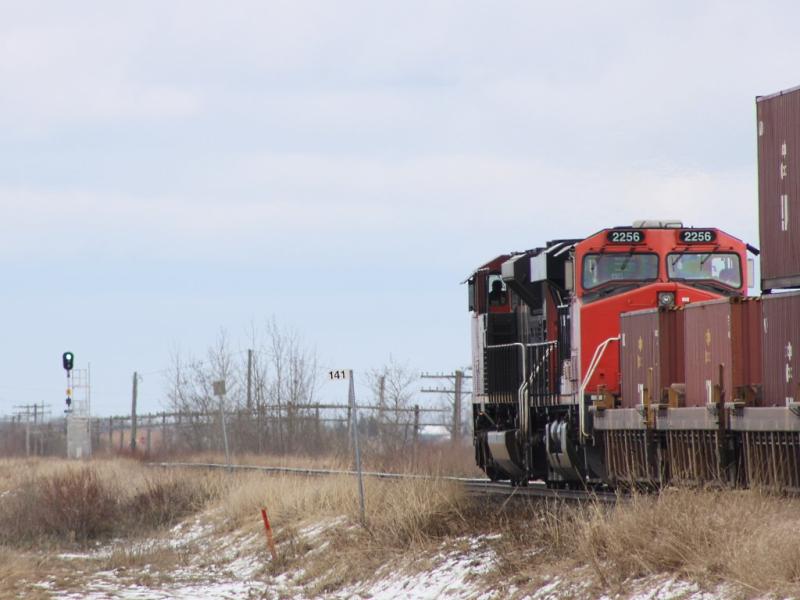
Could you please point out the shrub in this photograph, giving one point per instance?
(74, 504)
(88, 503)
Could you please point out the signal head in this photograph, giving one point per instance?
(67, 360)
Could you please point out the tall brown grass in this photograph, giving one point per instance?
(745, 537)
(434, 459)
(748, 539)
(65, 502)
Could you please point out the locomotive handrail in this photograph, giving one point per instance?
(552, 344)
(521, 391)
(598, 354)
(543, 360)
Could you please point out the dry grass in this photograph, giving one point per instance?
(62, 504)
(275, 460)
(402, 516)
(127, 558)
(745, 537)
(17, 569)
(429, 459)
(405, 510)
(52, 503)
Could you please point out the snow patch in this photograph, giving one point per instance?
(454, 576)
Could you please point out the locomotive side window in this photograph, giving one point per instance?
(698, 266)
(600, 269)
(497, 291)
(471, 293)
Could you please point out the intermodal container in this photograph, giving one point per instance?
(781, 344)
(778, 134)
(650, 340)
(723, 333)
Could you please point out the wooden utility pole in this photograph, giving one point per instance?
(382, 427)
(249, 381)
(457, 406)
(416, 425)
(457, 378)
(133, 411)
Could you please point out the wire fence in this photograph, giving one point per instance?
(267, 429)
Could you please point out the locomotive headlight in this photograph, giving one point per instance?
(666, 299)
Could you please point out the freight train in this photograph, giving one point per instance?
(634, 357)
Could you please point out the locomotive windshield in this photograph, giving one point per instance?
(705, 266)
(600, 269)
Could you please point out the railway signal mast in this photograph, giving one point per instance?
(79, 440)
(67, 361)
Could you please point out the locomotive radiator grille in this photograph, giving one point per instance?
(507, 369)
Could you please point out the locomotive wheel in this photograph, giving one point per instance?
(492, 473)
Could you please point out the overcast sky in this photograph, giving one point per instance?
(170, 169)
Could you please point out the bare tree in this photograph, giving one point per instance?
(392, 387)
(295, 381)
(191, 392)
(283, 383)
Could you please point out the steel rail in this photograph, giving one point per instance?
(476, 487)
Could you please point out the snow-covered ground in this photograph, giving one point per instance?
(216, 564)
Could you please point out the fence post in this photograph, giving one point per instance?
(354, 426)
(134, 394)
(164, 432)
(349, 428)
(317, 428)
(382, 429)
(260, 408)
(291, 425)
(416, 425)
(457, 408)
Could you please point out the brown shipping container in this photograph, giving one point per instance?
(723, 332)
(651, 339)
(778, 132)
(781, 343)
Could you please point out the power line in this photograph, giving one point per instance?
(457, 377)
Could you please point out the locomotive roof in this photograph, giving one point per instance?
(554, 247)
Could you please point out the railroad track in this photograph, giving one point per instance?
(478, 487)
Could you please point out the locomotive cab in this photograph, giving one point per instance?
(516, 335)
(652, 264)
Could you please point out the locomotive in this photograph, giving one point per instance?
(568, 391)
(635, 357)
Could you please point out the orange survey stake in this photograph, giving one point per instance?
(268, 530)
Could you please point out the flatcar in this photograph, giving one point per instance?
(552, 400)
